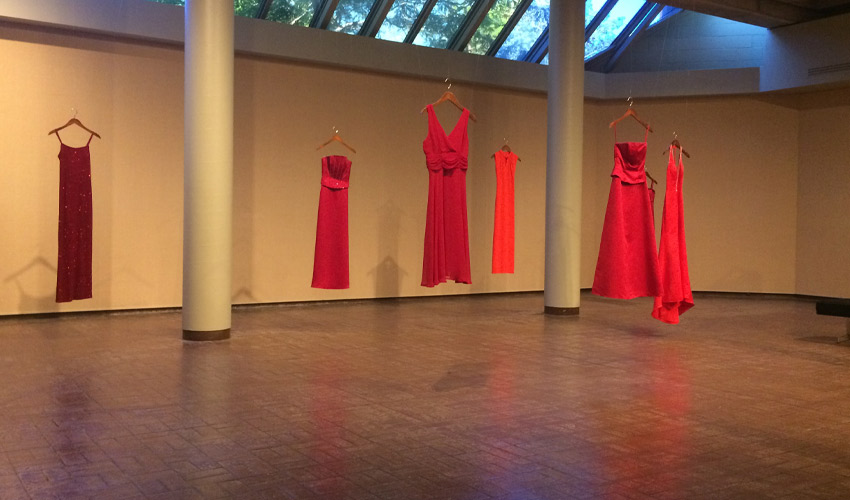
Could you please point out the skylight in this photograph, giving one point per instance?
(508, 29)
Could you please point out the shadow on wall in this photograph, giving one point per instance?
(388, 274)
(34, 272)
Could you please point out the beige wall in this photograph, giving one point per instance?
(823, 234)
(740, 187)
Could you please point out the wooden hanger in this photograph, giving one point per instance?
(75, 121)
(506, 149)
(630, 112)
(337, 138)
(448, 95)
(676, 144)
(651, 179)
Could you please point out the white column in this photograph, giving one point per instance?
(564, 157)
(208, 170)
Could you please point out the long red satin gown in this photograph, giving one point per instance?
(675, 297)
(446, 253)
(627, 266)
(503, 226)
(74, 265)
(330, 261)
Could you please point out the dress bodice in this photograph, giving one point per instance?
(446, 151)
(629, 160)
(335, 172)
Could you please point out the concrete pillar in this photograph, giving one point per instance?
(564, 157)
(208, 170)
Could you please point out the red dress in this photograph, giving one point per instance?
(675, 297)
(627, 266)
(330, 262)
(503, 227)
(446, 254)
(73, 270)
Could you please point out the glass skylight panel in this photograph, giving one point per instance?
(545, 60)
(247, 8)
(490, 27)
(296, 12)
(444, 21)
(349, 16)
(665, 13)
(527, 31)
(399, 20)
(613, 24)
(591, 7)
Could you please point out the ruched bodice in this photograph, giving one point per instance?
(335, 172)
(446, 151)
(629, 161)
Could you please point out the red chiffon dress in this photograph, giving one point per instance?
(503, 227)
(73, 273)
(330, 262)
(675, 297)
(627, 266)
(446, 254)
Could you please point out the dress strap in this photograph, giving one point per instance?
(646, 134)
(90, 138)
(60, 139)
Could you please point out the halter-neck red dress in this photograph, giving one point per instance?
(446, 254)
(675, 297)
(627, 266)
(503, 224)
(74, 265)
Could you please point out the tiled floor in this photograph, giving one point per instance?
(446, 398)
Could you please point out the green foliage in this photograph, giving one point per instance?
(349, 15)
(491, 26)
(297, 12)
(445, 19)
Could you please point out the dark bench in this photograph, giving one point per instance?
(833, 307)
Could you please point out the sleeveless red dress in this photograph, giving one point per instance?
(675, 297)
(503, 227)
(74, 266)
(627, 266)
(330, 261)
(446, 254)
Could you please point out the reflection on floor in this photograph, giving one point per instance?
(442, 398)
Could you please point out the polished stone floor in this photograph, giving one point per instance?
(444, 398)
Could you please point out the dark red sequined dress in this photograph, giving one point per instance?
(73, 273)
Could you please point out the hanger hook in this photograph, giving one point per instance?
(450, 83)
(630, 101)
(336, 130)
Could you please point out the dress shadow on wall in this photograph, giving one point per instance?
(29, 303)
(388, 274)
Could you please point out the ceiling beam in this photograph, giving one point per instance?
(598, 18)
(619, 48)
(420, 21)
(263, 11)
(470, 24)
(375, 18)
(540, 48)
(323, 14)
(509, 26)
